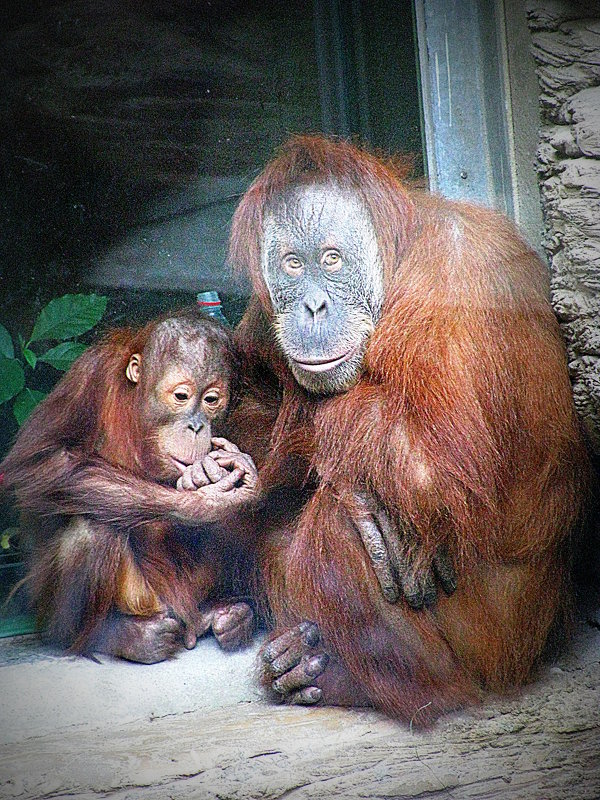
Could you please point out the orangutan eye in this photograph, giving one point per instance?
(331, 260)
(292, 265)
(181, 395)
(211, 399)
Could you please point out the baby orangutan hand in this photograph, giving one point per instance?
(229, 457)
(199, 474)
(218, 464)
(223, 481)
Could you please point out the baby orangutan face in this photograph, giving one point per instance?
(183, 382)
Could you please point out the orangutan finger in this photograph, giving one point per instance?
(306, 697)
(444, 569)
(230, 616)
(306, 631)
(240, 460)
(224, 444)
(189, 639)
(229, 480)
(418, 588)
(213, 471)
(418, 584)
(198, 475)
(302, 675)
(376, 550)
(186, 482)
(233, 625)
(395, 543)
(291, 657)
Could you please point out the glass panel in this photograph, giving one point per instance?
(130, 130)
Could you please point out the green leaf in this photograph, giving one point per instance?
(68, 316)
(12, 378)
(6, 343)
(25, 403)
(63, 355)
(30, 357)
(6, 537)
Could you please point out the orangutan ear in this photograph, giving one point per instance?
(133, 368)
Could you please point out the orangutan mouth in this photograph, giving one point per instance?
(180, 463)
(324, 364)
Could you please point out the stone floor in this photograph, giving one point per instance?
(195, 727)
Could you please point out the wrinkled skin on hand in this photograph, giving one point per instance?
(225, 470)
(232, 624)
(389, 549)
(297, 669)
(145, 640)
(291, 663)
(148, 640)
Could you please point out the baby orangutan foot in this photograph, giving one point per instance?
(291, 665)
(232, 625)
(231, 622)
(146, 640)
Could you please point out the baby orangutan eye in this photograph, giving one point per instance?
(181, 395)
(212, 398)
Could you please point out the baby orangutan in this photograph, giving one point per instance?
(120, 490)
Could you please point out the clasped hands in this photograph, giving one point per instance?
(223, 471)
(391, 550)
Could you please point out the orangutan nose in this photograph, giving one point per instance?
(316, 305)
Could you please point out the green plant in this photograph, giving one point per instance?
(62, 320)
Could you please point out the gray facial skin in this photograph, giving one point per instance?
(321, 263)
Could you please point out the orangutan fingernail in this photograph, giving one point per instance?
(317, 664)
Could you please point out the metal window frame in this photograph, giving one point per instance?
(466, 100)
(465, 87)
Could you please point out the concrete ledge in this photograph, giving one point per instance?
(195, 727)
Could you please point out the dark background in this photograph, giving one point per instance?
(130, 129)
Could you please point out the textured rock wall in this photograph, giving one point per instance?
(566, 47)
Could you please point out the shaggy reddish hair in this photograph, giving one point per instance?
(462, 426)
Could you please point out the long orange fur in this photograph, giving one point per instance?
(462, 424)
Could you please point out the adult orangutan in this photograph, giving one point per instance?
(408, 387)
(114, 473)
